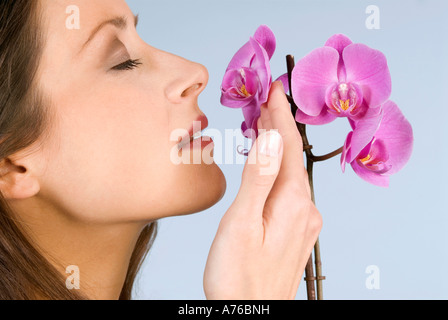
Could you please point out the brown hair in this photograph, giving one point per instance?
(24, 272)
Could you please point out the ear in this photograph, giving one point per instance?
(16, 180)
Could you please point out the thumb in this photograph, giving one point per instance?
(261, 170)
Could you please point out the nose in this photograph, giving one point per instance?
(185, 79)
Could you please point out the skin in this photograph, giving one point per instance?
(85, 191)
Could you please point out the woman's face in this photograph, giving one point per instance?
(110, 153)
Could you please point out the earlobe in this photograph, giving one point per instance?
(16, 182)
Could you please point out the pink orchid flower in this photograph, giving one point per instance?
(248, 79)
(387, 152)
(341, 79)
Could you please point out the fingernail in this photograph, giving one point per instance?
(280, 84)
(270, 143)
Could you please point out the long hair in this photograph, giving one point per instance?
(24, 119)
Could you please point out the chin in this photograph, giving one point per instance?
(216, 186)
(207, 186)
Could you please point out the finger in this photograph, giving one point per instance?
(260, 125)
(283, 120)
(265, 118)
(259, 174)
(307, 183)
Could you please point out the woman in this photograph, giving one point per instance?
(87, 164)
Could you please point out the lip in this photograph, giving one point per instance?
(203, 123)
(201, 142)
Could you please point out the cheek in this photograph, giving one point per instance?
(108, 155)
(110, 162)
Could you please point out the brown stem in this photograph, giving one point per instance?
(309, 279)
(309, 272)
(327, 156)
(310, 159)
(318, 264)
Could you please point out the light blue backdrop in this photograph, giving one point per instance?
(403, 229)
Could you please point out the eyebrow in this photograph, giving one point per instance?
(118, 22)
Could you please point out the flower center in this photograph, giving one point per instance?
(244, 91)
(241, 83)
(377, 157)
(344, 97)
(344, 104)
(364, 160)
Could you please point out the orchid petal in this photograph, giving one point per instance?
(364, 131)
(396, 132)
(370, 176)
(360, 112)
(368, 68)
(265, 37)
(338, 42)
(242, 57)
(323, 118)
(311, 77)
(346, 150)
(260, 63)
(245, 130)
(249, 126)
(229, 100)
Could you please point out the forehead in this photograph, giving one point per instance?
(74, 20)
(66, 26)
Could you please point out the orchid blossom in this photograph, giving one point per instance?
(341, 79)
(387, 151)
(248, 79)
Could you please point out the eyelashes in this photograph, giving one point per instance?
(127, 65)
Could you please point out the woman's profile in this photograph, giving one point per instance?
(86, 168)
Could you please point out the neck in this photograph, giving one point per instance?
(101, 253)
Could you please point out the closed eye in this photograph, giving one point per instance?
(127, 65)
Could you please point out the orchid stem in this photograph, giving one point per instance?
(328, 156)
(310, 160)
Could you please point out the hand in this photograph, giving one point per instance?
(265, 238)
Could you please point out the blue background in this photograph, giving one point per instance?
(402, 229)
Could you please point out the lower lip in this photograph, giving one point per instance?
(201, 143)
